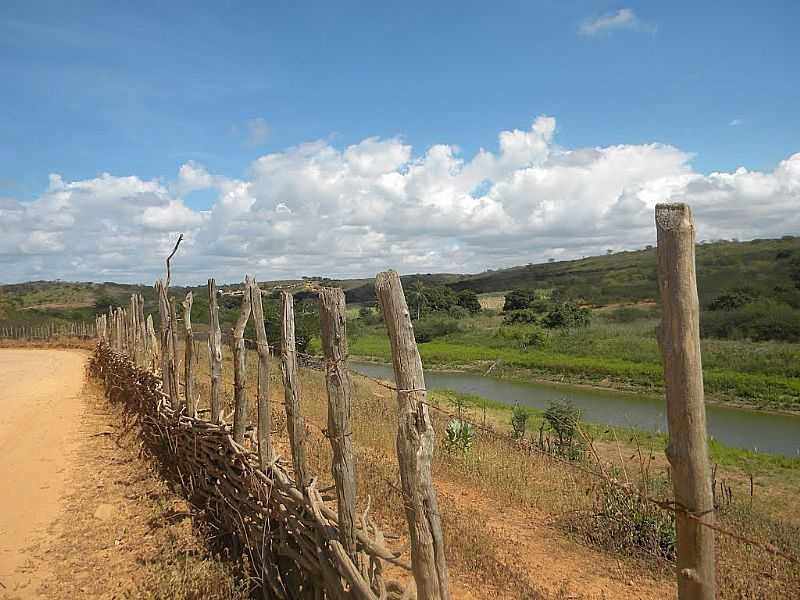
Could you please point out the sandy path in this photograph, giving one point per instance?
(40, 409)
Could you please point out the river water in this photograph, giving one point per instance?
(740, 428)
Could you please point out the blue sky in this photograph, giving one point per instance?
(92, 87)
(171, 116)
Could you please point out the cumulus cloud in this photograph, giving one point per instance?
(624, 18)
(315, 209)
(253, 132)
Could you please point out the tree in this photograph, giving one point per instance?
(733, 299)
(518, 299)
(567, 315)
(416, 296)
(469, 300)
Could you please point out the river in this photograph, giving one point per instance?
(740, 428)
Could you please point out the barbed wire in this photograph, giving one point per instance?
(671, 506)
(319, 363)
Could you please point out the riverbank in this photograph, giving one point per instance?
(763, 391)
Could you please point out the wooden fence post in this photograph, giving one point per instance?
(240, 367)
(173, 330)
(295, 424)
(687, 452)
(340, 409)
(167, 360)
(191, 408)
(214, 352)
(143, 336)
(264, 409)
(154, 354)
(415, 443)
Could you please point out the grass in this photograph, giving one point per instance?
(624, 356)
(496, 483)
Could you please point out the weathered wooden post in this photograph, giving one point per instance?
(340, 409)
(240, 367)
(143, 336)
(295, 424)
(167, 359)
(214, 351)
(264, 433)
(155, 354)
(173, 330)
(687, 451)
(191, 408)
(415, 443)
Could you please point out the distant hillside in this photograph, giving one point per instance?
(613, 278)
(631, 276)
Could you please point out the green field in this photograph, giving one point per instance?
(623, 356)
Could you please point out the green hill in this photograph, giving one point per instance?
(763, 265)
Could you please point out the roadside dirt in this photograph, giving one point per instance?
(40, 396)
(83, 514)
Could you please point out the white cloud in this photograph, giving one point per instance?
(315, 209)
(735, 122)
(624, 18)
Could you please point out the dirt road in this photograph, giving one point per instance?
(40, 411)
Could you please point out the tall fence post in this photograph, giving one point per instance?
(295, 424)
(415, 443)
(155, 353)
(240, 367)
(340, 409)
(188, 363)
(687, 451)
(214, 352)
(143, 335)
(264, 433)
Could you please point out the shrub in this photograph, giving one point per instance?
(733, 299)
(760, 320)
(458, 437)
(629, 314)
(468, 300)
(428, 329)
(563, 419)
(520, 316)
(623, 521)
(518, 299)
(457, 312)
(567, 315)
(536, 337)
(519, 421)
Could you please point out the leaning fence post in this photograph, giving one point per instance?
(687, 452)
(340, 409)
(188, 376)
(214, 351)
(239, 367)
(264, 432)
(295, 424)
(415, 442)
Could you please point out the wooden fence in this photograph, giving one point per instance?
(304, 548)
(49, 330)
(301, 546)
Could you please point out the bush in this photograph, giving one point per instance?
(760, 320)
(518, 299)
(563, 419)
(519, 421)
(623, 521)
(457, 312)
(733, 299)
(428, 329)
(468, 300)
(458, 437)
(629, 314)
(536, 337)
(567, 315)
(520, 316)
